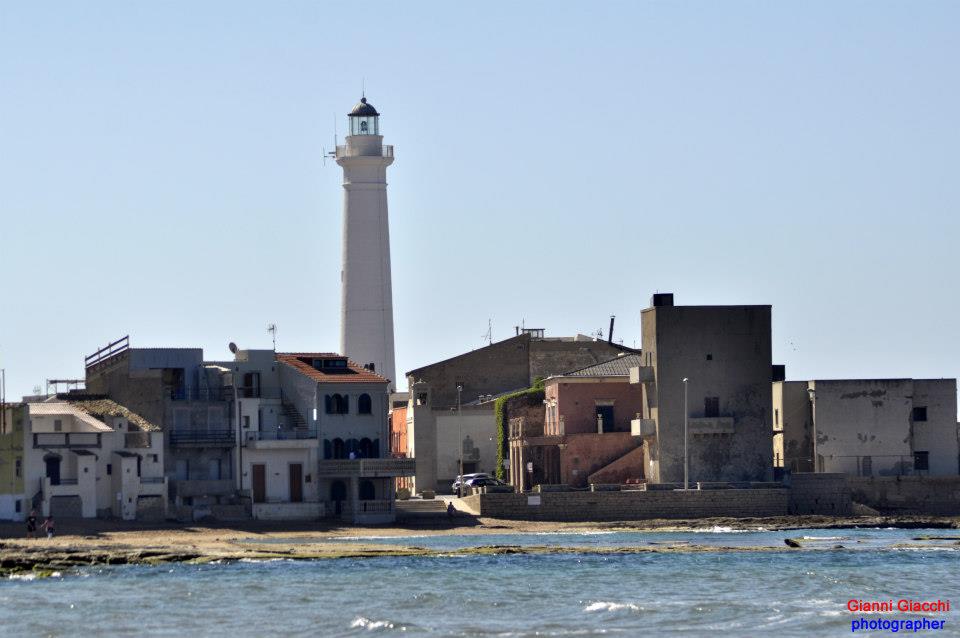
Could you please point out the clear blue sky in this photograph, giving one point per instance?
(161, 173)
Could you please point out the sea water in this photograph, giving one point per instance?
(786, 592)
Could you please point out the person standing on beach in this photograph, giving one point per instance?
(32, 524)
(48, 525)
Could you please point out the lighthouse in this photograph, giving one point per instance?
(366, 318)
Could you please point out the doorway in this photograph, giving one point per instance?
(259, 483)
(53, 468)
(296, 483)
(338, 494)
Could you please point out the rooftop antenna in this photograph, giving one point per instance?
(489, 334)
(272, 329)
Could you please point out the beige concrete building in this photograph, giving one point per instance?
(724, 353)
(433, 425)
(86, 456)
(13, 505)
(868, 427)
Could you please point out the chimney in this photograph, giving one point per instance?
(610, 334)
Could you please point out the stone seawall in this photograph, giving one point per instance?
(937, 495)
(821, 493)
(632, 505)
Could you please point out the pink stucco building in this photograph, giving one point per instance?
(585, 437)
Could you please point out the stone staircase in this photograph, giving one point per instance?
(422, 510)
(627, 467)
(293, 417)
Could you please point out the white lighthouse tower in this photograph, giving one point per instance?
(366, 320)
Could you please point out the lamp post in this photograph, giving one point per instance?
(813, 425)
(460, 439)
(686, 457)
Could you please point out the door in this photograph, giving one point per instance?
(259, 483)
(296, 483)
(182, 471)
(53, 469)
(213, 469)
(604, 418)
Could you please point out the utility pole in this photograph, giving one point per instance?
(460, 439)
(686, 457)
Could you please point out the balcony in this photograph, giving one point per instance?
(153, 485)
(369, 468)
(275, 439)
(711, 425)
(343, 151)
(218, 437)
(643, 427)
(521, 428)
(66, 439)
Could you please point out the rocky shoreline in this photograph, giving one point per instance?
(199, 545)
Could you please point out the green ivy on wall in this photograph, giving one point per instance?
(501, 413)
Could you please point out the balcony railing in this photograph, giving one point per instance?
(367, 467)
(219, 437)
(151, 479)
(342, 151)
(65, 439)
(281, 435)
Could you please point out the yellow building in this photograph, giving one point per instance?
(13, 504)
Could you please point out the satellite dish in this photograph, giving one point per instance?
(233, 347)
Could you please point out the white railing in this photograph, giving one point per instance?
(366, 467)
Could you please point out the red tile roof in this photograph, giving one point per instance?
(302, 362)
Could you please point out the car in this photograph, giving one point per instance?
(466, 477)
(483, 481)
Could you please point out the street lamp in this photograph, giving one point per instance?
(460, 439)
(686, 457)
(813, 424)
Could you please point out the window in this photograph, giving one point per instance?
(19, 507)
(364, 404)
(109, 469)
(337, 403)
(57, 425)
(921, 461)
(19, 468)
(246, 421)
(866, 466)
(776, 416)
(711, 407)
(920, 414)
(422, 398)
(155, 458)
(709, 357)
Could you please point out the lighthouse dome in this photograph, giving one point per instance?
(363, 109)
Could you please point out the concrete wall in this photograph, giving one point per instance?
(12, 458)
(725, 352)
(865, 427)
(793, 415)
(631, 505)
(934, 495)
(479, 440)
(276, 464)
(551, 357)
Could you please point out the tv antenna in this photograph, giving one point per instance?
(331, 154)
(272, 329)
(488, 335)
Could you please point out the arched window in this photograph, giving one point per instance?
(328, 404)
(367, 490)
(344, 404)
(327, 449)
(364, 404)
(366, 448)
(353, 447)
(339, 449)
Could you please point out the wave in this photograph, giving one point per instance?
(825, 538)
(721, 529)
(608, 606)
(365, 623)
